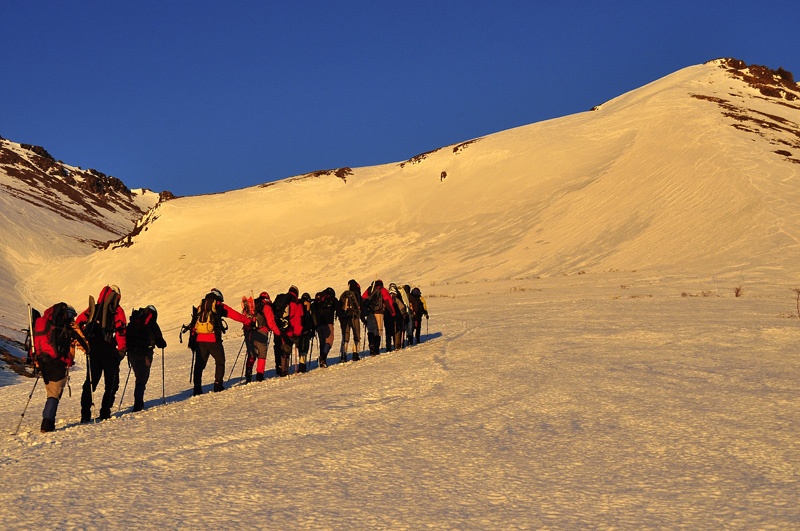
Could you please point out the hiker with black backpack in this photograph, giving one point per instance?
(324, 311)
(209, 327)
(104, 326)
(264, 324)
(55, 336)
(143, 335)
(376, 299)
(349, 314)
(307, 336)
(289, 318)
(396, 324)
(409, 323)
(420, 309)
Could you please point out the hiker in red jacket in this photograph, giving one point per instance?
(289, 317)
(209, 328)
(264, 324)
(376, 301)
(104, 327)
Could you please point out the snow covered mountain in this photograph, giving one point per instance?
(51, 211)
(570, 379)
(694, 173)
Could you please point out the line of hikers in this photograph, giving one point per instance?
(294, 321)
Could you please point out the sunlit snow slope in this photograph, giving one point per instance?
(695, 173)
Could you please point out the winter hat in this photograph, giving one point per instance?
(294, 290)
(71, 313)
(352, 285)
(218, 294)
(379, 283)
(152, 309)
(264, 295)
(306, 297)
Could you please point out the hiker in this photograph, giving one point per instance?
(210, 327)
(304, 342)
(248, 331)
(420, 308)
(104, 327)
(55, 335)
(409, 324)
(289, 318)
(143, 335)
(349, 314)
(324, 311)
(264, 324)
(375, 300)
(396, 323)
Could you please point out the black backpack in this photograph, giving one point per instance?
(138, 331)
(350, 305)
(280, 307)
(375, 301)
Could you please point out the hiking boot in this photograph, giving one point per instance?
(105, 414)
(301, 367)
(197, 391)
(259, 376)
(322, 364)
(138, 406)
(248, 376)
(218, 387)
(48, 425)
(356, 357)
(344, 358)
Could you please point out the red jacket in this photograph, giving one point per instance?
(224, 311)
(269, 317)
(120, 324)
(387, 299)
(295, 317)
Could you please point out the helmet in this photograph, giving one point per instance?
(218, 294)
(153, 309)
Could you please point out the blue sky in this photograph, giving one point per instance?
(197, 97)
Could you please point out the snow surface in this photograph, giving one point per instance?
(587, 363)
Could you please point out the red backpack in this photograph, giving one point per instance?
(51, 332)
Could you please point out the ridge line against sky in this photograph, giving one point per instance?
(198, 97)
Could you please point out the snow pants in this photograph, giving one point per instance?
(216, 351)
(104, 362)
(374, 332)
(347, 325)
(325, 336)
(141, 361)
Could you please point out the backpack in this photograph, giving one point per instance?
(208, 320)
(51, 333)
(102, 319)
(350, 305)
(375, 300)
(138, 331)
(258, 312)
(398, 299)
(280, 307)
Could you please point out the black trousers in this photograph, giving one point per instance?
(103, 362)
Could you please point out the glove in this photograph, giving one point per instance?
(122, 353)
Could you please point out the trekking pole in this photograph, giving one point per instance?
(237, 359)
(163, 382)
(191, 368)
(125, 387)
(311, 354)
(27, 403)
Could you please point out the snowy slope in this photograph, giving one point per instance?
(51, 211)
(587, 363)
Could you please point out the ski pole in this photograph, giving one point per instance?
(311, 354)
(125, 387)
(191, 368)
(163, 383)
(237, 359)
(27, 403)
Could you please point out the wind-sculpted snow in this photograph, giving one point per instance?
(613, 321)
(558, 403)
